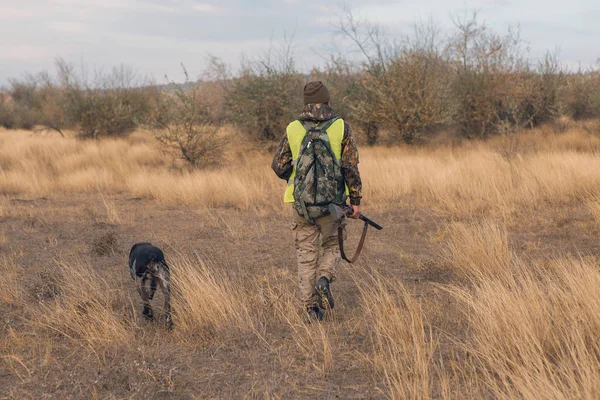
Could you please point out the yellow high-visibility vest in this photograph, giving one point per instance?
(295, 134)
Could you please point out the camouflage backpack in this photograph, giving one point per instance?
(319, 180)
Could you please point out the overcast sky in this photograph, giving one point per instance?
(156, 36)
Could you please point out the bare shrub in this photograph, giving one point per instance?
(266, 95)
(113, 105)
(184, 125)
(546, 87)
(24, 102)
(403, 87)
(582, 94)
(105, 114)
(7, 116)
(487, 80)
(342, 78)
(350, 98)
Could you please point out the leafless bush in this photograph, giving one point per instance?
(184, 124)
(114, 104)
(546, 85)
(488, 76)
(7, 119)
(349, 98)
(24, 103)
(403, 86)
(582, 94)
(105, 114)
(267, 95)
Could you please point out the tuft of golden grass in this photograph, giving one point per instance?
(86, 308)
(205, 300)
(479, 249)
(112, 214)
(403, 346)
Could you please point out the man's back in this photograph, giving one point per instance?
(319, 160)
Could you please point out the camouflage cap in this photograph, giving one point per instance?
(315, 92)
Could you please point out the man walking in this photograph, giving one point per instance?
(318, 158)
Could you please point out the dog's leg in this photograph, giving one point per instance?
(152, 288)
(145, 298)
(132, 269)
(164, 280)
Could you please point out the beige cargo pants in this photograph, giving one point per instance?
(317, 252)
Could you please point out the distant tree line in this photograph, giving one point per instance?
(476, 82)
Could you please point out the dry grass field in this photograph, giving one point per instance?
(483, 284)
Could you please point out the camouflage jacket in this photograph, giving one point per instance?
(282, 162)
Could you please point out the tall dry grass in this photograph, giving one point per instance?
(206, 300)
(45, 166)
(532, 325)
(496, 176)
(478, 180)
(403, 347)
(86, 307)
(479, 250)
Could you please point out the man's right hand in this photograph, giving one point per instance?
(356, 212)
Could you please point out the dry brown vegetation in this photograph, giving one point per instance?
(475, 81)
(483, 283)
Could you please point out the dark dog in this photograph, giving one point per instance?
(148, 263)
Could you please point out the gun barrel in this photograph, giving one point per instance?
(370, 222)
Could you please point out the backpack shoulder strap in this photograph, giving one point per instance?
(322, 125)
(326, 124)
